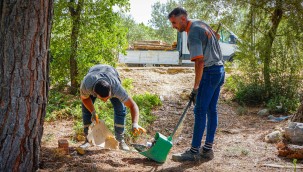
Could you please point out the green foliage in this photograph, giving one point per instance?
(101, 37)
(231, 83)
(62, 106)
(251, 94)
(159, 27)
(127, 84)
(285, 69)
(215, 11)
(105, 112)
(137, 32)
(146, 102)
(78, 127)
(295, 164)
(269, 55)
(160, 22)
(281, 104)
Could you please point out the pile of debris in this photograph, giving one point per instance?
(292, 146)
(152, 45)
(289, 141)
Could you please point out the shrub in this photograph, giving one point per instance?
(127, 84)
(146, 102)
(251, 94)
(232, 83)
(281, 104)
(62, 106)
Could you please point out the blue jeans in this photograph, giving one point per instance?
(119, 117)
(206, 104)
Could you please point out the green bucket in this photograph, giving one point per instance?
(159, 151)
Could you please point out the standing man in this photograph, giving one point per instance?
(205, 52)
(103, 82)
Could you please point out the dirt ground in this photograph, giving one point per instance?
(239, 143)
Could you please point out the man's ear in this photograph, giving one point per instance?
(183, 18)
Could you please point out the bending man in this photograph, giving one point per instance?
(103, 82)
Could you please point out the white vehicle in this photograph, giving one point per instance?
(180, 55)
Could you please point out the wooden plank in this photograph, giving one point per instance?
(152, 45)
(152, 41)
(153, 48)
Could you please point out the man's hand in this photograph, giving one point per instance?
(94, 117)
(193, 95)
(138, 130)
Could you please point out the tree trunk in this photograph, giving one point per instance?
(25, 28)
(298, 117)
(268, 41)
(75, 15)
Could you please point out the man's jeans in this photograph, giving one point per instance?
(119, 117)
(206, 104)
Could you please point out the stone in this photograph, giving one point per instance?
(263, 112)
(273, 137)
(294, 133)
(185, 94)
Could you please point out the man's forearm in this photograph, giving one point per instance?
(134, 110)
(88, 103)
(199, 65)
(135, 114)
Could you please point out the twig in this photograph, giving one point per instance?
(281, 166)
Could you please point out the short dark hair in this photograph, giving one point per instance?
(177, 12)
(102, 88)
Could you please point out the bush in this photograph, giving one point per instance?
(281, 104)
(232, 83)
(146, 102)
(251, 94)
(78, 127)
(127, 84)
(62, 106)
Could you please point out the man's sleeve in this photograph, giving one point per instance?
(83, 91)
(195, 47)
(121, 94)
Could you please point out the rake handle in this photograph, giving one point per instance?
(181, 118)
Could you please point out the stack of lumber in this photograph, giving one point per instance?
(174, 46)
(152, 45)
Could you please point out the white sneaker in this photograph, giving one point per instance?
(86, 145)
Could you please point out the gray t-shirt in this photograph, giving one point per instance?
(107, 73)
(202, 41)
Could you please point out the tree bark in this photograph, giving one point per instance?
(75, 15)
(298, 116)
(25, 28)
(268, 41)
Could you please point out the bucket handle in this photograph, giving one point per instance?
(180, 120)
